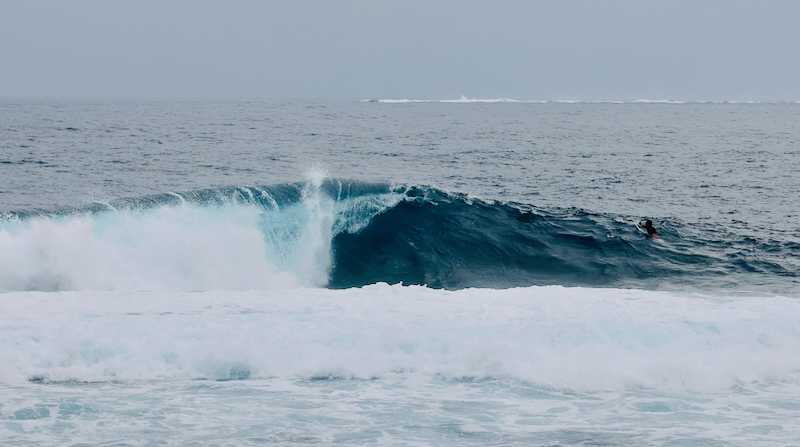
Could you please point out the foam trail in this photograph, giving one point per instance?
(179, 197)
(271, 199)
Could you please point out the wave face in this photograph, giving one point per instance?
(452, 241)
(341, 234)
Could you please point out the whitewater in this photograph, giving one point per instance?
(465, 272)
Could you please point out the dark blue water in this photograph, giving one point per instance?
(445, 240)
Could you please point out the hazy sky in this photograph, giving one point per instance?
(689, 50)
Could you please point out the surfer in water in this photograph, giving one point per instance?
(651, 230)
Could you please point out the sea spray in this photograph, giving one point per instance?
(318, 232)
(263, 238)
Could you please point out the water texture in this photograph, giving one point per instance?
(399, 272)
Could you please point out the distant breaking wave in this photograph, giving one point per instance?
(465, 100)
(342, 234)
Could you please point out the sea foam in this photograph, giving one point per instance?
(204, 240)
(552, 337)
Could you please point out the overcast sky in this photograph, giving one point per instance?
(585, 50)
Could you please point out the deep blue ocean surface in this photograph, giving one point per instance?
(398, 272)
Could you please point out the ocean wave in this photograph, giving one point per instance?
(265, 238)
(453, 241)
(465, 100)
(341, 234)
(398, 101)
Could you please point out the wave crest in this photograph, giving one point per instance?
(340, 234)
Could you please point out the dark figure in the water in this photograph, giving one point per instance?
(651, 230)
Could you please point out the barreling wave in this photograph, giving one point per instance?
(341, 234)
(451, 241)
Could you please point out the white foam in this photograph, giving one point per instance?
(658, 101)
(403, 101)
(236, 246)
(466, 100)
(177, 248)
(462, 100)
(553, 337)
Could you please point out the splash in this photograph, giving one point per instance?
(262, 238)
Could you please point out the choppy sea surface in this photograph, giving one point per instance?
(398, 272)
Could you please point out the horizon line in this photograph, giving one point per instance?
(406, 100)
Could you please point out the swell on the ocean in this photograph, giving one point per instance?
(340, 234)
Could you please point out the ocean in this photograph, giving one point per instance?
(399, 272)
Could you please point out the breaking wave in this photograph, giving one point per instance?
(342, 234)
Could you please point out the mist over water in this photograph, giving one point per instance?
(432, 273)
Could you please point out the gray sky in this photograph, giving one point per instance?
(588, 50)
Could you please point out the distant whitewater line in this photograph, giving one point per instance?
(466, 100)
